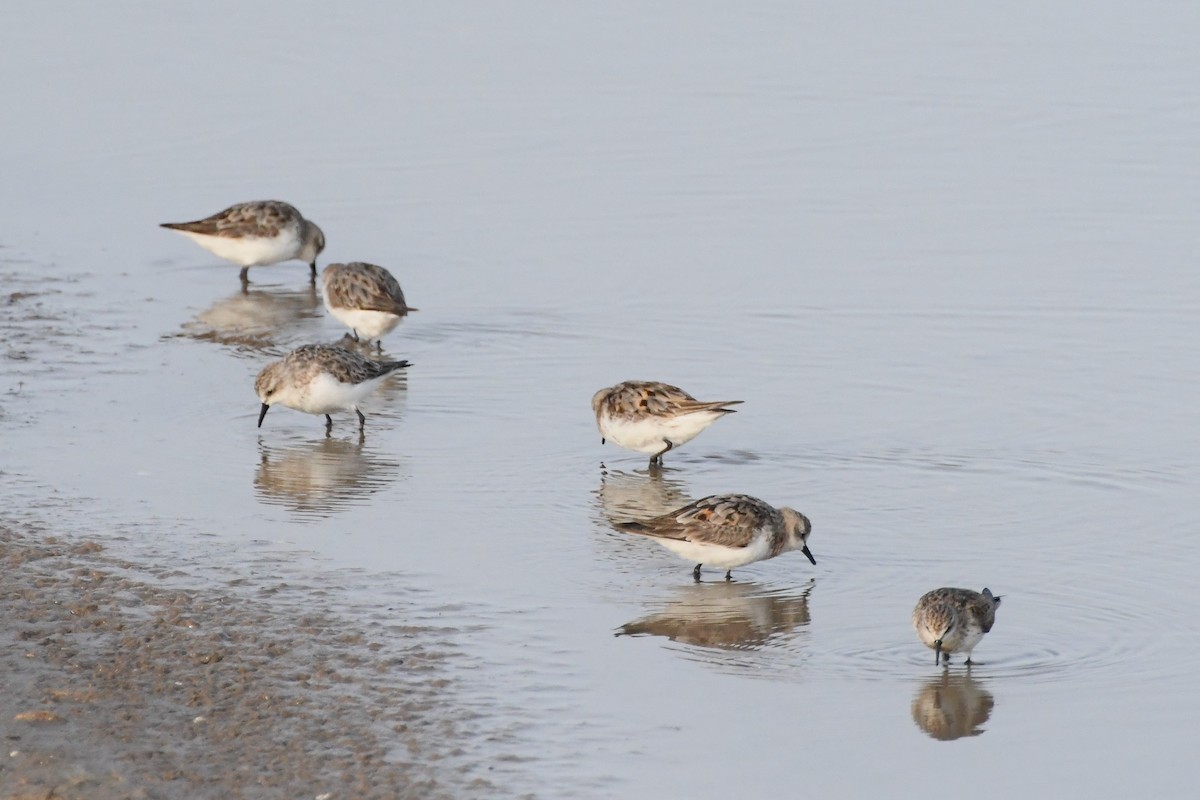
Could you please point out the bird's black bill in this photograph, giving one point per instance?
(262, 413)
(808, 553)
(937, 652)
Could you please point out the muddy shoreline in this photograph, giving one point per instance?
(123, 680)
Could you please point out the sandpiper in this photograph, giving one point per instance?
(954, 620)
(727, 531)
(255, 234)
(365, 298)
(652, 417)
(321, 379)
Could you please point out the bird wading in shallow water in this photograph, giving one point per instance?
(365, 298)
(321, 379)
(255, 234)
(727, 531)
(652, 417)
(954, 620)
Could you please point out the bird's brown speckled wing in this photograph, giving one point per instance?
(365, 287)
(656, 399)
(344, 365)
(258, 218)
(728, 520)
(949, 598)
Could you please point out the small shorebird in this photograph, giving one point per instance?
(255, 234)
(727, 531)
(365, 298)
(321, 379)
(954, 620)
(652, 417)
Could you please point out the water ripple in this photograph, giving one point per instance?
(1051, 634)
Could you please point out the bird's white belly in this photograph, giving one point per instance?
(249, 251)
(649, 435)
(717, 555)
(367, 324)
(326, 394)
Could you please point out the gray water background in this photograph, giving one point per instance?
(945, 253)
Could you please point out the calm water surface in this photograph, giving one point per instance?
(947, 256)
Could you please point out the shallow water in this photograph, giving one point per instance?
(945, 256)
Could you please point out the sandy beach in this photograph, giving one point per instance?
(126, 682)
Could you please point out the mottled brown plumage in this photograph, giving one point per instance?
(256, 218)
(319, 379)
(652, 398)
(728, 530)
(257, 233)
(309, 360)
(653, 417)
(363, 287)
(365, 298)
(952, 620)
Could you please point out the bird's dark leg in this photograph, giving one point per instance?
(312, 267)
(696, 573)
(657, 457)
(728, 574)
(362, 421)
(244, 275)
(355, 334)
(379, 347)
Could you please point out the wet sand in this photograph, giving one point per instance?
(126, 682)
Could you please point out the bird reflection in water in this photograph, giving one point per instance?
(726, 616)
(321, 477)
(951, 706)
(255, 319)
(641, 494)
